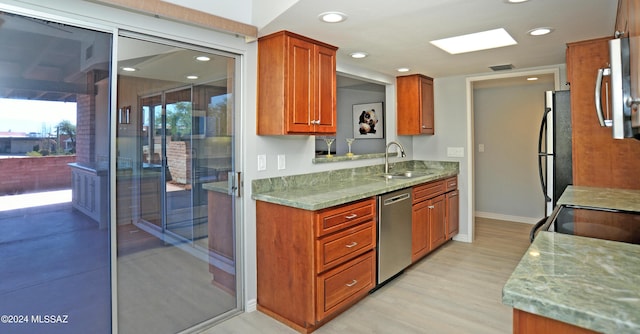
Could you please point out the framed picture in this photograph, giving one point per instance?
(368, 120)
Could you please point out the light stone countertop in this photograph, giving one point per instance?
(609, 198)
(321, 190)
(586, 282)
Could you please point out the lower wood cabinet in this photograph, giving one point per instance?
(434, 216)
(312, 265)
(528, 323)
(452, 215)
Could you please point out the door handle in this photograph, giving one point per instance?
(598, 95)
(234, 184)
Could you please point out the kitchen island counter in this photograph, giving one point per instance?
(586, 282)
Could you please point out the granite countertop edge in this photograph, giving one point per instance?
(318, 191)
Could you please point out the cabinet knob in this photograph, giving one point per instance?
(351, 216)
(431, 206)
(424, 126)
(354, 282)
(352, 244)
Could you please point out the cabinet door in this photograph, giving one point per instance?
(414, 100)
(598, 159)
(426, 107)
(437, 231)
(419, 230)
(325, 79)
(300, 86)
(453, 213)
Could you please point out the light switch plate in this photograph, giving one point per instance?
(262, 162)
(455, 152)
(281, 161)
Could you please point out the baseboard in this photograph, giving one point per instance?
(462, 237)
(498, 216)
(252, 305)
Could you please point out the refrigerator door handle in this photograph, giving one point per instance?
(598, 96)
(542, 154)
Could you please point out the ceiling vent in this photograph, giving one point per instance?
(501, 67)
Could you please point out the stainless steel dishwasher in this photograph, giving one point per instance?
(394, 233)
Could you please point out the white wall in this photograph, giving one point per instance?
(507, 123)
(450, 122)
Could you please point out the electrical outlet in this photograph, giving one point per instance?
(481, 148)
(262, 162)
(281, 161)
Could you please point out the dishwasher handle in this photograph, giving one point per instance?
(396, 199)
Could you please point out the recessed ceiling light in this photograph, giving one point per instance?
(540, 31)
(332, 17)
(532, 78)
(129, 69)
(515, 1)
(192, 77)
(202, 58)
(403, 69)
(484, 40)
(359, 55)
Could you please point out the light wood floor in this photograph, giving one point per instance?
(456, 289)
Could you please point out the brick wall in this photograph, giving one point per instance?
(179, 161)
(29, 174)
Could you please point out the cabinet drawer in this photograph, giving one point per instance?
(345, 284)
(345, 245)
(451, 183)
(337, 218)
(428, 190)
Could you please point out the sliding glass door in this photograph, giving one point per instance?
(55, 270)
(177, 229)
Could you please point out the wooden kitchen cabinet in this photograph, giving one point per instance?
(598, 159)
(312, 265)
(296, 85)
(414, 105)
(452, 215)
(434, 213)
(529, 323)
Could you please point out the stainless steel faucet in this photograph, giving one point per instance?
(386, 155)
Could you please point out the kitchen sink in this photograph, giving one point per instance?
(405, 175)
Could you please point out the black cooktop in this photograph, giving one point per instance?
(597, 223)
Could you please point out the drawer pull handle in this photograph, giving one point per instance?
(352, 244)
(351, 216)
(431, 207)
(354, 282)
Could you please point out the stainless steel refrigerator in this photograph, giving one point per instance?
(554, 148)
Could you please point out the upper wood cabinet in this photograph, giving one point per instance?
(598, 159)
(296, 85)
(414, 106)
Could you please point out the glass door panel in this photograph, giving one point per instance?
(150, 180)
(180, 212)
(177, 259)
(55, 270)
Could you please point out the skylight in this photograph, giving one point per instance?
(484, 40)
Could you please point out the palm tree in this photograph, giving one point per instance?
(67, 128)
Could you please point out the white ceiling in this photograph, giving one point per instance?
(397, 33)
